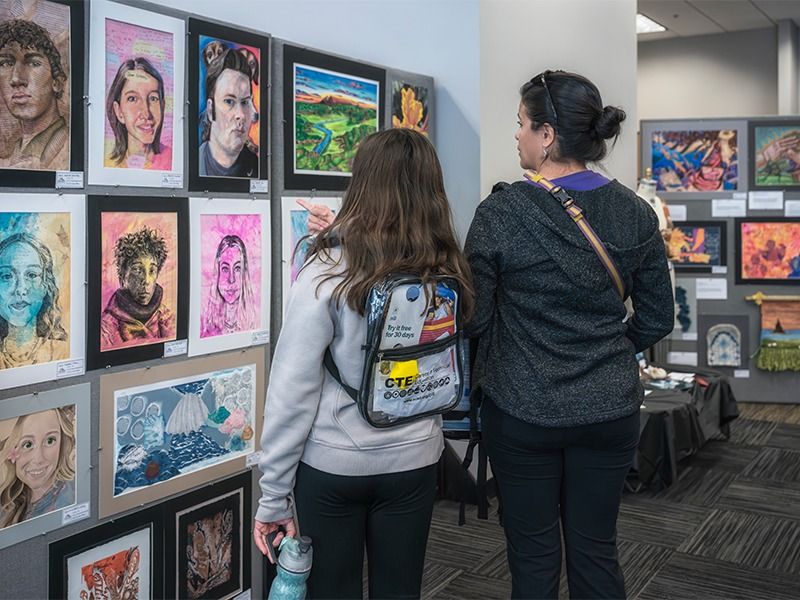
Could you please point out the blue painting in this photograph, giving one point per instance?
(168, 429)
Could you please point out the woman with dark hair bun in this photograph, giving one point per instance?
(556, 348)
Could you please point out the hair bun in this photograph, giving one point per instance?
(607, 124)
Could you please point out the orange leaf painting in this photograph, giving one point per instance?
(770, 250)
(410, 107)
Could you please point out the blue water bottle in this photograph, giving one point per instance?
(294, 566)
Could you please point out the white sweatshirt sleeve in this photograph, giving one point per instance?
(295, 387)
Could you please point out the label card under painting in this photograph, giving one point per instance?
(69, 179)
(259, 186)
(792, 208)
(712, 288)
(741, 373)
(172, 180)
(175, 348)
(765, 200)
(75, 514)
(70, 368)
(682, 358)
(728, 208)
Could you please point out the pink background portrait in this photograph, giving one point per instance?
(212, 229)
(125, 41)
(114, 226)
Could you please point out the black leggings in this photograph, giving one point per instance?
(389, 513)
(572, 477)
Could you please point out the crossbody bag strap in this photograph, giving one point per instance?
(575, 212)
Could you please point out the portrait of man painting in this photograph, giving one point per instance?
(139, 279)
(35, 274)
(37, 464)
(231, 271)
(35, 85)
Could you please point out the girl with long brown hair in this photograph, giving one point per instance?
(356, 485)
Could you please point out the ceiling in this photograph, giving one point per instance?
(684, 18)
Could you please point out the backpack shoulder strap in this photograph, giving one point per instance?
(330, 365)
(575, 212)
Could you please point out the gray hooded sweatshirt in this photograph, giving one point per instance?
(309, 417)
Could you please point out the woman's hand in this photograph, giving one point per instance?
(320, 216)
(261, 530)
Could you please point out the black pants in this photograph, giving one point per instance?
(389, 513)
(571, 477)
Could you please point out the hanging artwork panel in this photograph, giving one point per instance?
(776, 154)
(42, 293)
(119, 559)
(136, 97)
(768, 250)
(780, 335)
(723, 340)
(138, 278)
(696, 158)
(41, 82)
(412, 103)
(685, 309)
(229, 115)
(172, 428)
(208, 541)
(698, 246)
(330, 105)
(44, 460)
(230, 283)
(295, 243)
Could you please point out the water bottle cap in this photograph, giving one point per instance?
(296, 554)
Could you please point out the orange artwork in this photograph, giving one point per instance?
(410, 107)
(769, 250)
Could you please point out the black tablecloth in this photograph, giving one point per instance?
(675, 425)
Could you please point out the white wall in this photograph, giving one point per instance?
(520, 38)
(724, 75)
(433, 37)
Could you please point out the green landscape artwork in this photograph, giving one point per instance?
(333, 112)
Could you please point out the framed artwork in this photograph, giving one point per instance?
(724, 341)
(44, 460)
(208, 540)
(685, 309)
(768, 250)
(42, 295)
(136, 96)
(294, 244)
(228, 121)
(172, 428)
(780, 335)
(698, 245)
(776, 154)
(410, 97)
(696, 158)
(41, 49)
(230, 283)
(330, 105)
(119, 559)
(138, 278)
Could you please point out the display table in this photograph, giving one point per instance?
(676, 424)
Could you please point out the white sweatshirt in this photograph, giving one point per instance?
(310, 418)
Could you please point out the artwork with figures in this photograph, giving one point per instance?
(294, 220)
(685, 309)
(35, 83)
(780, 336)
(140, 280)
(697, 245)
(37, 464)
(165, 430)
(45, 439)
(42, 250)
(768, 250)
(35, 272)
(776, 154)
(695, 160)
(229, 286)
(410, 107)
(135, 132)
(231, 273)
(724, 346)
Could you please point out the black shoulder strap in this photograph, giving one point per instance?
(334, 371)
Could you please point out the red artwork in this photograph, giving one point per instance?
(769, 250)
